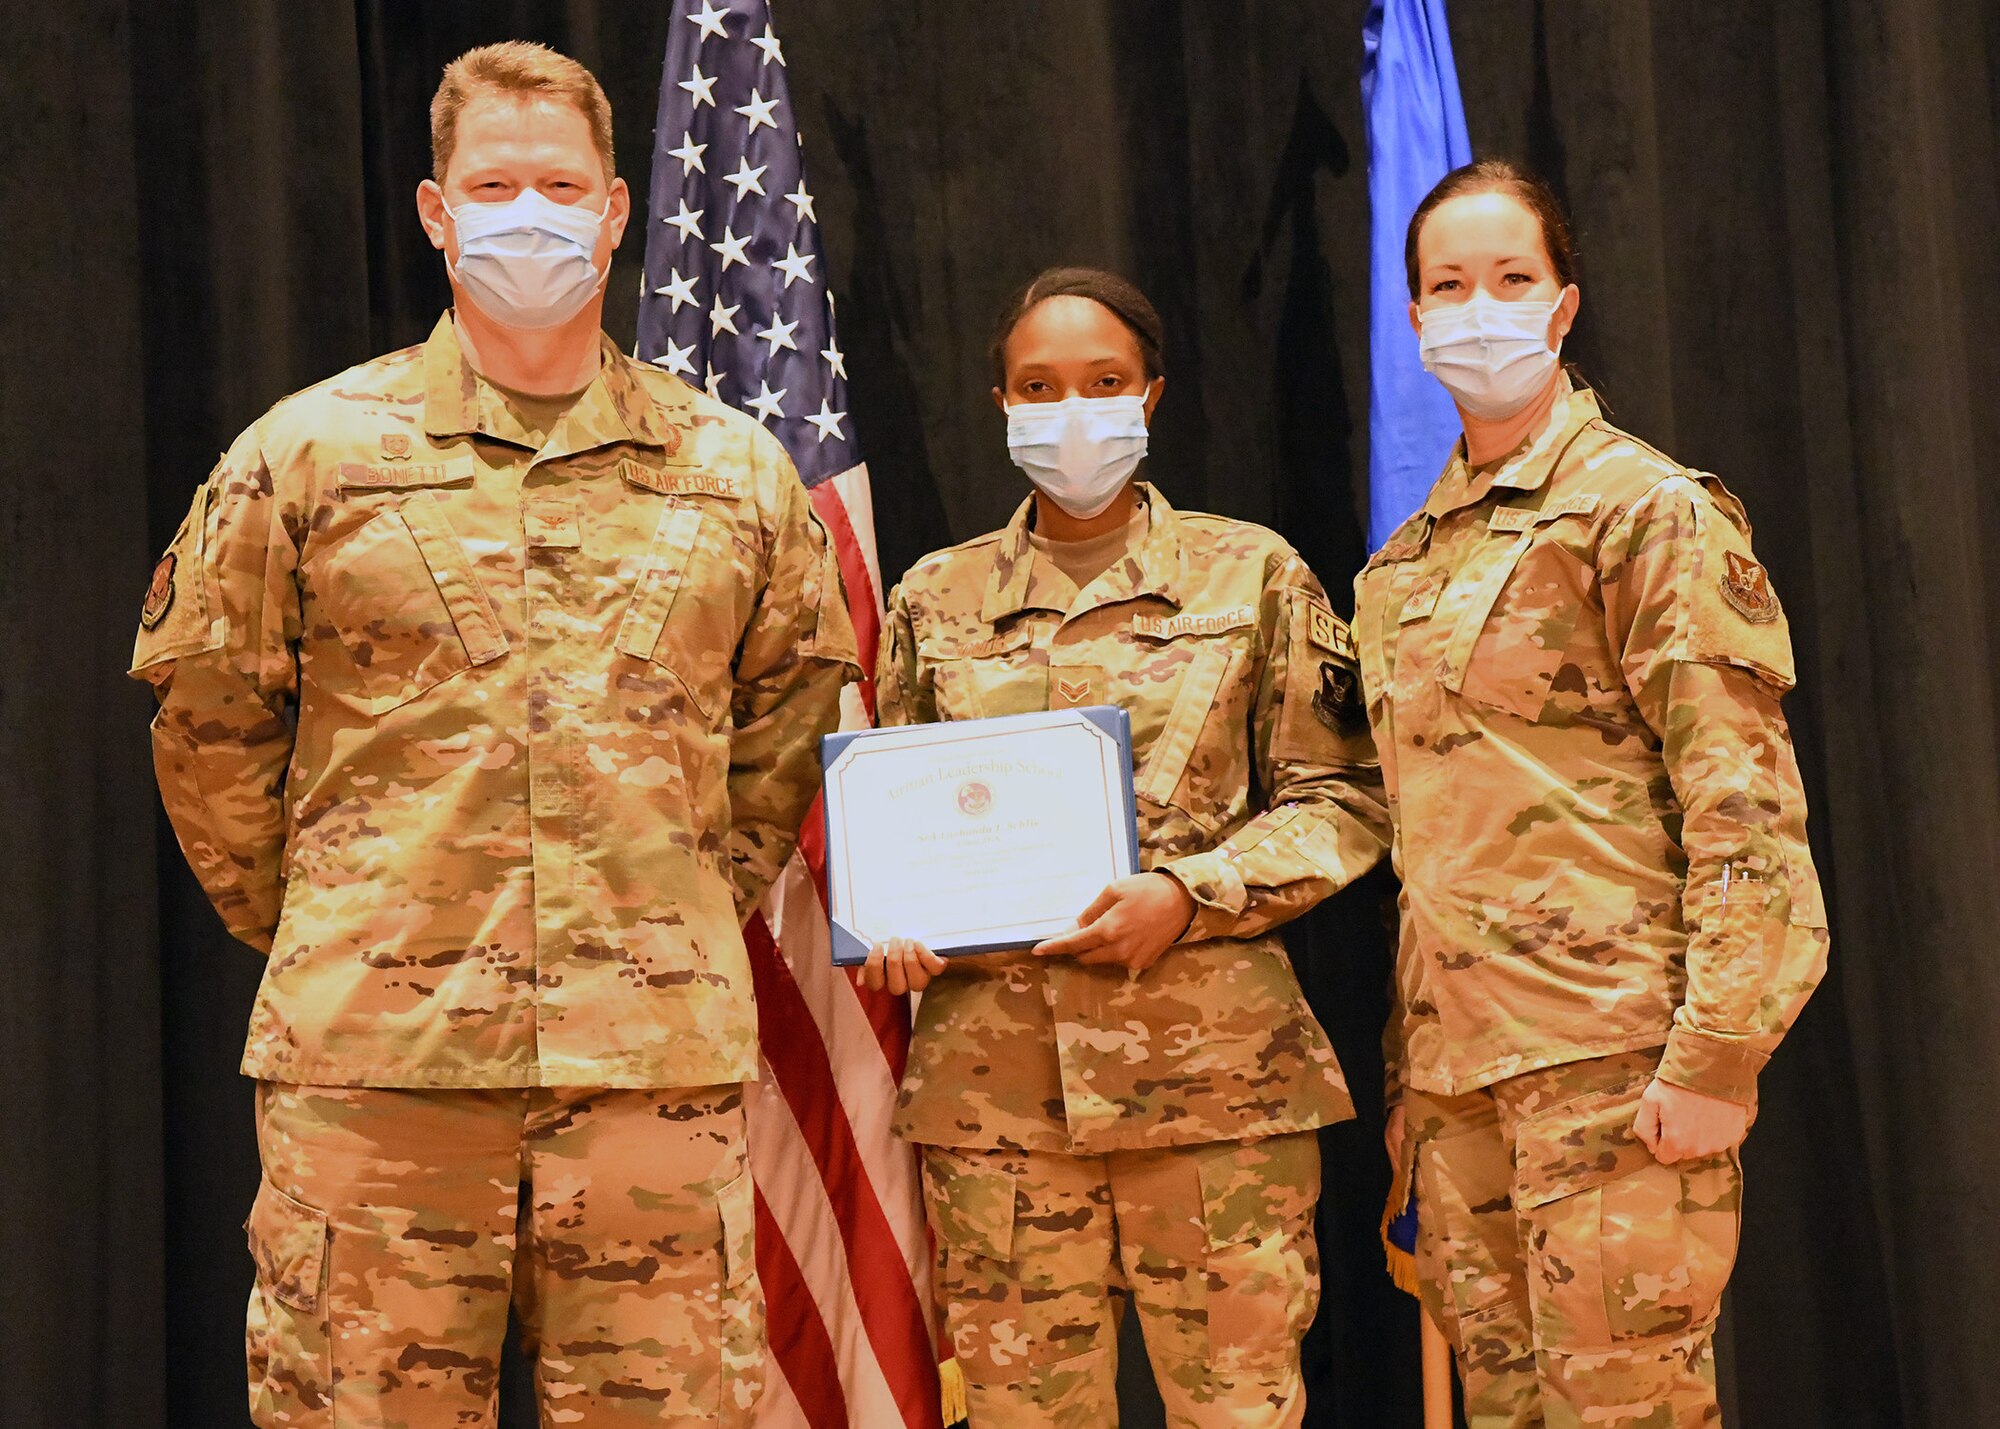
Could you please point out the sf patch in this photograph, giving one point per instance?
(160, 594)
(1328, 631)
(1338, 701)
(1748, 590)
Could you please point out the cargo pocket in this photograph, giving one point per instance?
(1262, 1262)
(287, 1344)
(743, 1324)
(971, 1204)
(401, 594)
(1621, 1248)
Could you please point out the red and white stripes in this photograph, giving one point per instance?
(841, 1245)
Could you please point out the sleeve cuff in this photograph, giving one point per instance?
(1212, 880)
(1714, 1066)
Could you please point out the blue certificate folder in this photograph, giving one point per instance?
(975, 836)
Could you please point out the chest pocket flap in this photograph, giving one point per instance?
(1512, 610)
(660, 581)
(1166, 765)
(974, 676)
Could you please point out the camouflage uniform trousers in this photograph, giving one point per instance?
(393, 1227)
(1577, 1277)
(1214, 1241)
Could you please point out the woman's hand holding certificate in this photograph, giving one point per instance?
(1129, 924)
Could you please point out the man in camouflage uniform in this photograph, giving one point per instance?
(1085, 1127)
(1573, 665)
(490, 714)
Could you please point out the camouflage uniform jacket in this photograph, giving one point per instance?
(1573, 666)
(492, 748)
(1257, 789)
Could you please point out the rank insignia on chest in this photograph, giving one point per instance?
(160, 594)
(395, 446)
(1338, 701)
(1748, 590)
(1072, 692)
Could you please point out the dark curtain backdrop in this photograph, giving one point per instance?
(1787, 215)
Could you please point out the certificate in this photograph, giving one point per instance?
(976, 835)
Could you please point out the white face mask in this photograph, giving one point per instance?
(528, 263)
(1080, 451)
(1492, 356)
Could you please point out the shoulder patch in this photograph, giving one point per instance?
(160, 594)
(1748, 589)
(1328, 631)
(1338, 702)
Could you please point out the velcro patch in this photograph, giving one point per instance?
(1328, 631)
(551, 524)
(1422, 599)
(160, 594)
(364, 476)
(1172, 627)
(682, 482)
(1520, 518)
(1338, 701)
(1748, 590)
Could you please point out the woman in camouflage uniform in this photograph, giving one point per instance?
(1132, 1105)
(1610, 916)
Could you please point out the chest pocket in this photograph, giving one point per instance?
(1005, 674)
(1381, 593)
(676, 618)
(1199, 762)
(1511, 612)
(401, 594)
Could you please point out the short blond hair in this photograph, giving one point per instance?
(517, 67)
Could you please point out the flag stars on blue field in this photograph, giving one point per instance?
(779, 334)
(735, 292)
(731, 247)
(679, 290)
(675, 359)
(767, 402)
(758, 111)
(710, 21)
(688, 222)
(794, 265)
(828, 421)
(747, 179)
(702, 88)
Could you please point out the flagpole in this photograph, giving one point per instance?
(1437, 1375)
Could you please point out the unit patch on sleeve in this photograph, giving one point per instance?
(1338, 701)
(1748, 590)
(160, 594)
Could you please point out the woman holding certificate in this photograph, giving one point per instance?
(1132, 1105)
(1573, 664)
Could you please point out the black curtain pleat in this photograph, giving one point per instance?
(1787, 218)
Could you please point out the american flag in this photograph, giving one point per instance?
(736, 301)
